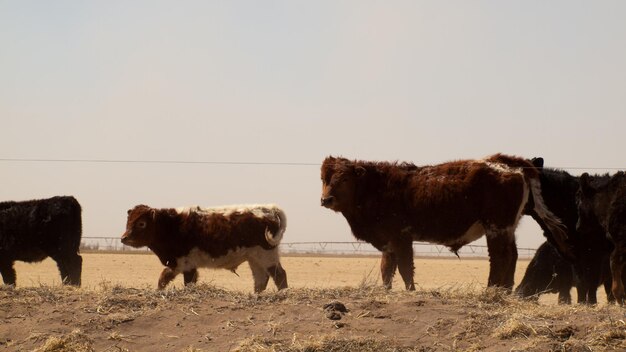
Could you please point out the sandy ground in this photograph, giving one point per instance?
(142, 270)
(118, 309)
(139, 270)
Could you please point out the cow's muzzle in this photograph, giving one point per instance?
(327, 201)
(126, 239)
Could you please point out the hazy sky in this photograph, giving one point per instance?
(292, 82)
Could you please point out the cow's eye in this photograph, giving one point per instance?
(142, 224)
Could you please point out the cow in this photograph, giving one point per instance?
(589, 251)
(391, 204)
(547, 272)
(602, 208)
(189, 238)
(33, 230)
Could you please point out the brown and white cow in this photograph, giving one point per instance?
(185, 239)
(390, 205)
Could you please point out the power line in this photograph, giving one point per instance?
(212, 162)
(119, 161)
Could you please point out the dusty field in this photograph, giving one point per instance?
(118, 309)
(140, 270)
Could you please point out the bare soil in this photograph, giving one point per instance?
(336, 305)
(132, 269)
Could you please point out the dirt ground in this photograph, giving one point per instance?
(118, 309)
(136, 270)
(141, 270)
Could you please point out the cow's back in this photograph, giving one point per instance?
(218, 231)
(468, 192)
(30, 229)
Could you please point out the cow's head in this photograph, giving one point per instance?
(592, 202)
(140, 226)
(339, 178)
(600, 201)
(537, 162)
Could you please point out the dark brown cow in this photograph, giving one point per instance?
(602, 208)
(591, 249)
(33, 230)
(547, 272)
(390, 205)
(185, 239)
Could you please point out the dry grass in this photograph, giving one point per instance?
(446, 318)
(75, 341)
(324, 343)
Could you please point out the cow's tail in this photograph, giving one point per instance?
(552, 222)
(274, 238)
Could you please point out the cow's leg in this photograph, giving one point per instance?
(279, 275)
(75, 269)
(502, 258)
(260, 275)
(388, 265)
(70, 265)
(594, 281)
(404, 255)
(583, 289)
(167, 275)
(609, 293)
(581, 286)
(616, 272)
(607, 280)
(564, 284)
(190, 276)
(592, 296)
(8, 272)
(589, 274)
(565, 296)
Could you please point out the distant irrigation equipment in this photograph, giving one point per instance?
(420, 249)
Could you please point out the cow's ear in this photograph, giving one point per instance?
(585, 184)
(617, 178)
(359, 171)
(537, 162)
(128, 212)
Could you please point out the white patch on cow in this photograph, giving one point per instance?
(503, 168)
(554, 224)
(473, 233)
(525, 194)
(258, 210)
(200, 259)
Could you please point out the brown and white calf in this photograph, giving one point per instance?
(185, 239)
(390, 205)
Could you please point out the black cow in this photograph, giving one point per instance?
(547, 272)
(33, 230)
(602, 210)
(589, 250)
